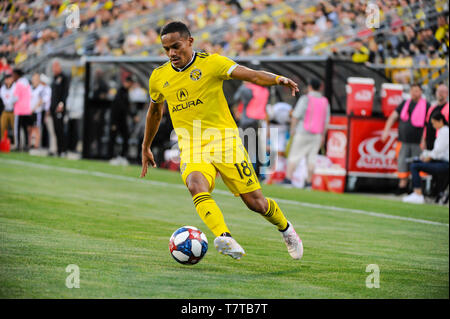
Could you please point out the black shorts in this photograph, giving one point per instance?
(25, 120)
(36, 119)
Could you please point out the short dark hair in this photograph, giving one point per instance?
(18, 71)
(416, 84)
(315, 84)
(176, 26)
(438, 116)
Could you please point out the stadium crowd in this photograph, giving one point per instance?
(418, 29)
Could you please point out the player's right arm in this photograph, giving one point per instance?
(153, 118)
(154, 115)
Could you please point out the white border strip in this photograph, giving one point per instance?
(217, 191)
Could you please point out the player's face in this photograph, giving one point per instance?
(178, 48)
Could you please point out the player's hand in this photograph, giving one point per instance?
(147, 158)
(288, 83)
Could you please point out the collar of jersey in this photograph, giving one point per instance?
(187, 65)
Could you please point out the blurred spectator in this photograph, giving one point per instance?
(411, 114)
(7, 96)
(75, 106)
(361, 53)
(120, 110)
(277, 124)
(375, 54)
(407, 45)
(100, 103)
(37, 108)
(134, 41)
(309, 123)
(441, 33)
(441, 106)
(22, 108)
(60, 90)
(252, 101)
(47, 132)
(435, 162)
(278, 118)
(427, 38)
(102, 46)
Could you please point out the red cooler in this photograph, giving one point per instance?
(337, 140)
(360, 93)
(391, 97)
(329, 179)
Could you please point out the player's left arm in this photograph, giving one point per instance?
(263, 78)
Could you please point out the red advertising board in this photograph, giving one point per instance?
(367, 154)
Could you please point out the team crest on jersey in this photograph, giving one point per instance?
(196, 74)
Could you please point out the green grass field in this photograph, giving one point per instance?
(115, 227)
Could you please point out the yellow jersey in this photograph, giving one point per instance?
(198, 109)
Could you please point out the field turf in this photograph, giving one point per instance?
(115, 227)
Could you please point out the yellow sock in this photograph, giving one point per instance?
(275, 215)
(210, 213)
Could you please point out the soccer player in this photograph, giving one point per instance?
(208, 138)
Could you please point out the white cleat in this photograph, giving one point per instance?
(229, 246)
(293, 242)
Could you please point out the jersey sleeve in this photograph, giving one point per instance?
(153, 89)
(224, 66)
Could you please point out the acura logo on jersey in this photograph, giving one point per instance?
(186, 105)
(182, 95)
(196, 74)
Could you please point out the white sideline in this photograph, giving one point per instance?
(217, 191)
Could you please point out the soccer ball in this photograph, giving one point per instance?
(188, 245)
